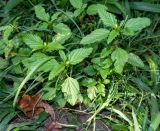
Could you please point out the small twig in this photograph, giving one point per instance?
(67, 125)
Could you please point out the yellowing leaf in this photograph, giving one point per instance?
(71, 90)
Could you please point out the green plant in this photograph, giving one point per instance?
(79, 53)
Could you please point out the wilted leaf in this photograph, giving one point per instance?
(91, 92)
(70, 88)
(33, 106)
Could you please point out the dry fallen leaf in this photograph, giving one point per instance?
(33, 106)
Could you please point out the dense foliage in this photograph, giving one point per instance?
(101, 58)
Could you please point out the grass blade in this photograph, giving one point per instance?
(145, 6)
(27, 78)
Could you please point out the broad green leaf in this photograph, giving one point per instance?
(41, 14)
(89, 82)
(112, 35)
(49, 93)
(56, 71)
(77, 55)
(106, 51)
(89, 70)
(120, 57)
(76, 3)
(71, 90)
(107, 18)
(91, 92)
(33, 41)
(95, 36)
(48, 66)
(135, 60)
(37, 58)
(55, 16)
(105, 72)
(93, 9)
(136, 24)
(54, 46)
(63, 33)
(105, 64)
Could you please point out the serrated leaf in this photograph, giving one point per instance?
(107, 18)
(77, 55)
(54, 46)
(33, 41)
(105, 52)
(41, 14)
(89, 82)
(71, 90)
(93, 9)
(136, 24)
(112, 35)
(95, 36)
(56, 71)
(120, 57)
(135, 60)
(63, 33)
(76, 3)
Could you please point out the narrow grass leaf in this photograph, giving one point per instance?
(155, 122)
(35, 68)
(136, 124)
